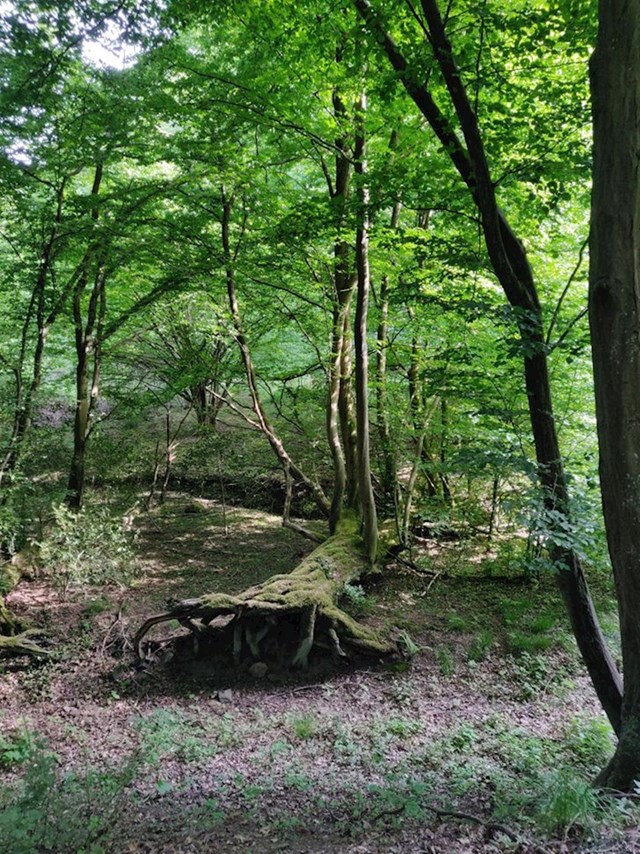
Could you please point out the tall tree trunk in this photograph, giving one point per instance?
(263, 422)
(614, 312)
(340, 419)
(388, 475)
(25, 391)
(444, 424)
(87, 341)
(512, 270)
(333, 420)
(418, 415)
(367, 501)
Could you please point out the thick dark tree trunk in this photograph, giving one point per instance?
(614, 311)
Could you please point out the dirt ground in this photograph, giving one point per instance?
(361, 757)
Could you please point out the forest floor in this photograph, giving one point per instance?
(484, 742)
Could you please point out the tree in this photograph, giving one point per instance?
(514, 273)
(614, 315)
(309, 595)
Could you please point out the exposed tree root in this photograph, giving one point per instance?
(298, 610)
(22, 644)
(14, 639)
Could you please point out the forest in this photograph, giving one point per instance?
(319, 426)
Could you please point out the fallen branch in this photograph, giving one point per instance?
(489, 825)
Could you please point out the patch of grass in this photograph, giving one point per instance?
(542, 623)
(521, 642)
(456, 623)
(445, 659)
(568, 803)
(96, 606)
(515, 766)
(514, 610)
(589, 741)
(303, 726)
(480, 646)
(171, 732)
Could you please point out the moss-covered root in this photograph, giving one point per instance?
(306, 597)
(13, 640)
(8, 623)
(22, 644)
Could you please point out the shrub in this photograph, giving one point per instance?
(87, 548)
(45, 811)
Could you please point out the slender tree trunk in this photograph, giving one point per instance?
(87, 349)
(333, 421)
(263, 422)
(340, 420)
(388, 478)
(25, 392)
(512, 270)
(367, 501)
(347, 414)
(417, 406)
(614, 312)
(493, 515)
(444, 423)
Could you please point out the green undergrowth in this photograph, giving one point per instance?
(309, 770)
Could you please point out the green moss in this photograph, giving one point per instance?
(9, 577)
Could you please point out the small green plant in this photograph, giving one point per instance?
(87, 548)
(408, 646)
(531, 674)
(47, 811)
(37, 682)
(303, 726)
(445, 659)
(568, 803)
(16, 748)
(96, 606)
(480, 646)
(457, 623)
(355, 601)
(401, 727)
(589, 741)
(464, 737)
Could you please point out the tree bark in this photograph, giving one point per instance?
(388, 473)
(614, 313)
(87, 341)
(367, 500)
